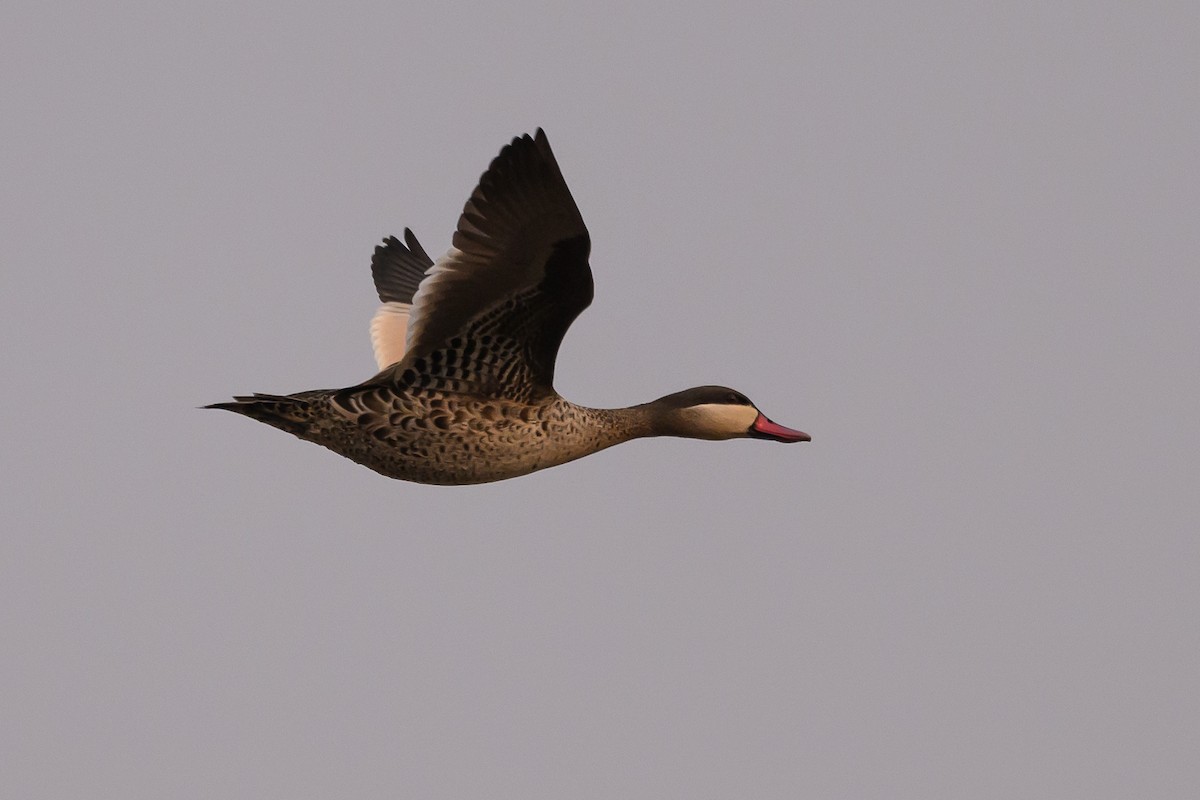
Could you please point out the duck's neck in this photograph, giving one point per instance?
(605, 427)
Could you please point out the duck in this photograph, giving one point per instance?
(466, 348)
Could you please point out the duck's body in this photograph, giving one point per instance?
(443, 437)
(467, 347)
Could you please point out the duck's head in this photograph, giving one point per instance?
(717, 412)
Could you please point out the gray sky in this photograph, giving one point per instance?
(957, 244)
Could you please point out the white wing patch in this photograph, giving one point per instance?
(389, 328)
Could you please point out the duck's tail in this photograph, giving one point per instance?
(288, 413)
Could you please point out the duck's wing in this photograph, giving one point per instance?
(490, 315)
(398, 270)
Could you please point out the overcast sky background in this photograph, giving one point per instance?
(955, 242)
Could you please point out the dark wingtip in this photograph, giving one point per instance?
(399, 268)
(415, 248)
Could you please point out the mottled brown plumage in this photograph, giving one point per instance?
(467, 345)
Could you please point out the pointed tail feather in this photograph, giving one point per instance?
(291, 414)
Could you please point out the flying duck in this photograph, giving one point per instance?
(466, 349)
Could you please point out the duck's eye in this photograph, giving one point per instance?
(736, 399)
